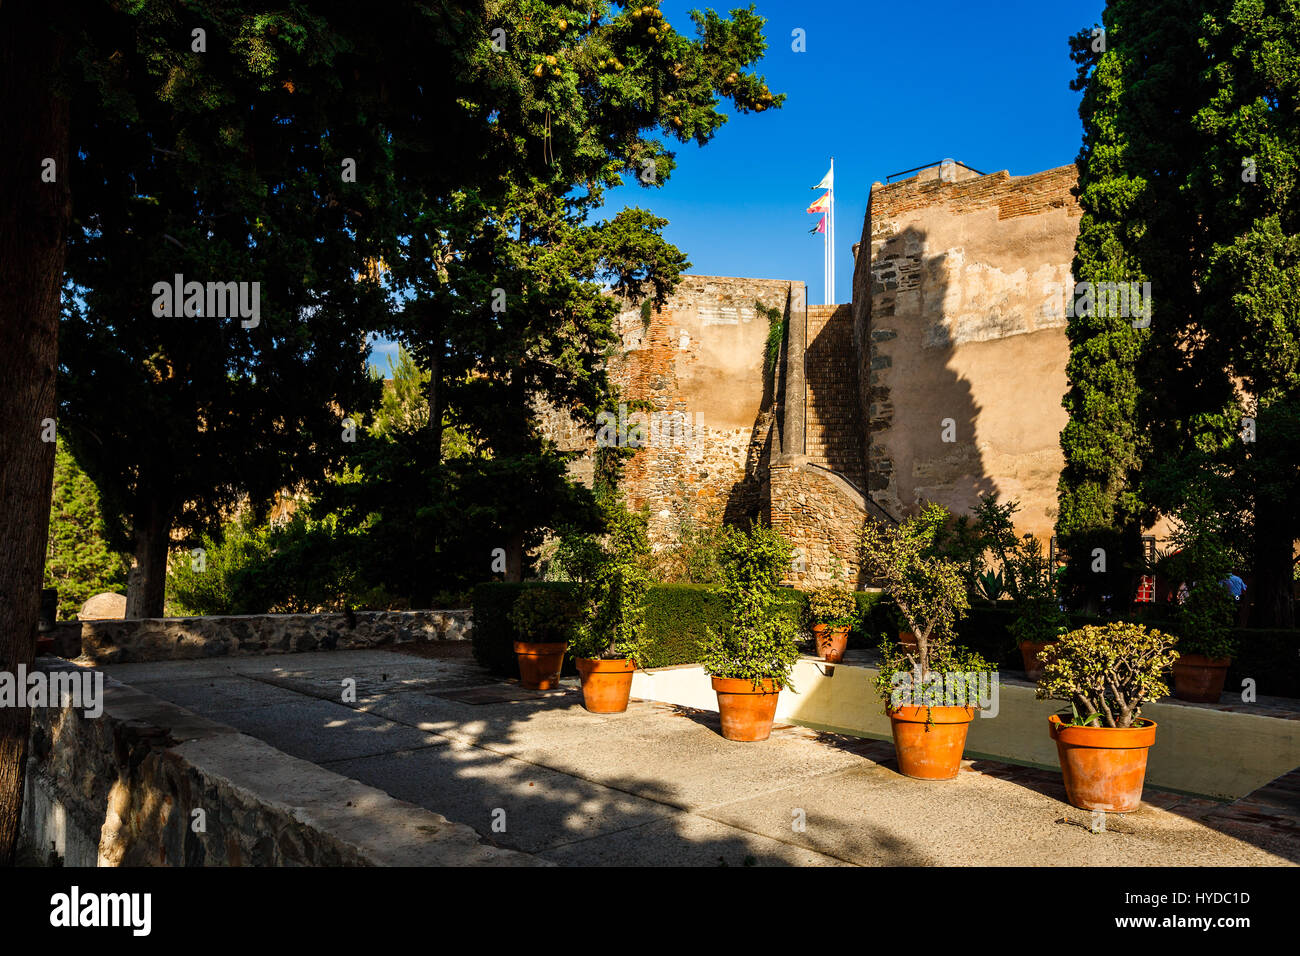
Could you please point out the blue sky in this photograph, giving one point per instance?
(882, 87)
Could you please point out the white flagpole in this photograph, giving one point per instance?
(830, 245)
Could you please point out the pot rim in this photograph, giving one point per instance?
(939, 714)
(748, 684)
(1200, 660)
(1104, 738)
(540, 647)
(614, 663)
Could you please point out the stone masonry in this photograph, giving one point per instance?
(941, 381)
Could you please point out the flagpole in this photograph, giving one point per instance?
(830, 242)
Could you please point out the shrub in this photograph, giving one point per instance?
(677, 620)
(1039, 617)
(493, 635)
(832, 606)
(927, 589)
(545, 616)
(612, 588)
(755, 642)
(1107, 673)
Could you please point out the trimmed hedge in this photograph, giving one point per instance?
(678, 617)
(677, 620)
(1271, 657)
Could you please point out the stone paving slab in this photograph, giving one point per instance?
(539, 808)
(658, 785)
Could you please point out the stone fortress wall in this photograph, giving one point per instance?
(941, 381)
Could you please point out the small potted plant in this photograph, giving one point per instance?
(833, 611)
(608, 642)
(1205, 642)
(544, 619)
(1204, 619)
(920, 682)
(1039, 619)
(1106, 673)
(751, 655)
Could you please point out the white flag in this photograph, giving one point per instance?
(828, 181)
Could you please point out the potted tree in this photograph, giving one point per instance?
(1204, 620)
(608, 642)
(833, 611)
(750, 656)
(1106, 673)
(544, 619)
(1039, 619)
(929, 723)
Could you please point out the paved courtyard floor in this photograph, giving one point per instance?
(658, 785)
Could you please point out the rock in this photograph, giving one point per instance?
(103, 607)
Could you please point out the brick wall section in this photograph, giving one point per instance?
(1012, 196)
(834, 415)
(822, 523)
(700, 356)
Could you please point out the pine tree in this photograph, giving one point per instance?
(79, 561)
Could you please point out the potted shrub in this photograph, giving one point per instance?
(1205, 642)
(1205, 618)
(609, 639)
(833, 611)
(544, 619)
(1106, 673)
(750, 656)
(1039, 619)
(929, 724)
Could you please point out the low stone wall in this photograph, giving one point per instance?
(187, 638)
(148, 783)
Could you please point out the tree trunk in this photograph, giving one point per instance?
(515, 556)
(33, 230)
(1274, 604)
(434, 390)
(146, 585)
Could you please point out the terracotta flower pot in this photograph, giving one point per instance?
(831, 642)
(1029, 651)
(606, 685)
(747, 711)
(1104, 767)
(539, 664)
(1199, 678)
(908, 640)
(930, 751)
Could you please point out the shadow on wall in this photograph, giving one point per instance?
(922, 416)
(834, 436)
(751, 498)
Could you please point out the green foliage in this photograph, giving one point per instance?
(78, 559)
(1039, 617)
(299, 566)
(776, 330)
(545, 615)
(612, 584)
(1189, 179)
(1109, 671)
(944, 658)
(692, 557)
(928, 589)
(833, 606)
(1203, 560)
(493, 635)
(755, 642)
(677, 620)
